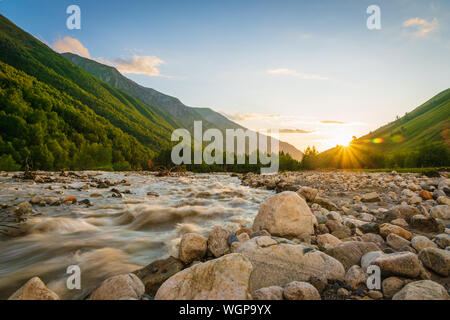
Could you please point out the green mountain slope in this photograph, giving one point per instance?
(170, 107)
(419, 138)
(428, 123)
(143, 127)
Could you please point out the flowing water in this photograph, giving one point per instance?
(114, 235)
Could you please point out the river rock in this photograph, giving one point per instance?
(443, 200)
(387, 228)
(391, 286)
(426, 224)
(308, 193)
(426, 195)
(34, 289)
(370, 197)
(442, 240)
(421, 242)
(286, 215)
(422, 290)
(192, 247)
(326, 203)
(372, 237)
(218, 242)
(370, 228)
(404, 211)
(225, 278)
(355, 276)
(436, 259)
(119, 287)
(396, 242)
(440, 212)
(268, 293)
(277, 261)
(297, 290)
(404, 264)
(328, 239)
(350, 253)
(154, 274)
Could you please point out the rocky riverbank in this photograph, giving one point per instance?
(314, 239)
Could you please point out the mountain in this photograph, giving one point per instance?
(419, 138)
(184, 116)
(55, 115)
(428, 123)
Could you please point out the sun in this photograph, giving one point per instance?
(342, 139)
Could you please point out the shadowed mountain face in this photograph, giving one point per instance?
(171, 108)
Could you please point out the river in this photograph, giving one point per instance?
(116, 234)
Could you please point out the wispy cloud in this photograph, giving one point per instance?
(136, 64)
(236, 116)
(293, 73)
(147, 65)
(332, 122)
(72, 45)
(294, 131)
(422, 27)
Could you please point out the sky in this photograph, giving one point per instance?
(311, 69)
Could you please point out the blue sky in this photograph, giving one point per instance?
(307, 65)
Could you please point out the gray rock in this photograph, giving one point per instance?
(422, 290)
(350, 253)
(119, 287)
(277, 262)
(396, 242)
(404, 264)
(436, 259)
(268, 293)
(391, 286)
(421, 242)
(217, 242)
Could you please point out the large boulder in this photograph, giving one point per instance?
(124, 286)
(276, 262)
(154, 274)
(225, 278)
(437, 260)
(34, 289)
(192, 247)
(350, 253)
(285, 215)
(422, 290)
